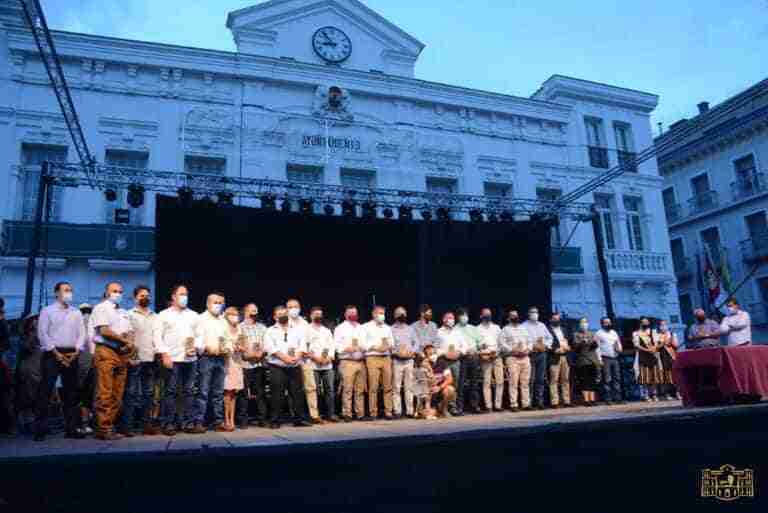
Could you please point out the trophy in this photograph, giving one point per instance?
(385, 343)
(133, 351)
(451, 348)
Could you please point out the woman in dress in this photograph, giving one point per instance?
(668, 353)
(588, 362)
(649, 364)
(233, 382)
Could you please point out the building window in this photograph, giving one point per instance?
(598, 153)
(679, 261)
(205, 165)
(131, 160)
(686, 309)
(497, 190)
(625, 148)
(703, 197)
(633, 208)
(757, 225)
(559, 232)
(748, 180)
(358, 178)
(304, 174)
(441, 185)
(604, 206)
(32, 156)
(671, 206)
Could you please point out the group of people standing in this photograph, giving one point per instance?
(215, 368)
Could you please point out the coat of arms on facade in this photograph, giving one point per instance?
(332, 101)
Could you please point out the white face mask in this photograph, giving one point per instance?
(584, 326)
(449, 323)
(66, 297)
(115, 298)
(534, 317)
(216, 309)
(732, 310)
(294, 312)
(234, 319)
(182, 301)
(380, 317)
(463, 319)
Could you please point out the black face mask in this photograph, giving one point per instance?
(144, 302)
(606, 327)
(283, 319)
(701, 319)
(485, 318)
(401, 318)
(254, 317)
(555, 323)
(645, 326)
(318, 319)
(514, 319)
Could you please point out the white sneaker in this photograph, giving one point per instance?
(655, 399)
(648, 399)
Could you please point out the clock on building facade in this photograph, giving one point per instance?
(332, 44)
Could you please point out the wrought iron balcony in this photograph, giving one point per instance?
(598, 157)
(64, 240)
(683, 268)
(627, 161)
(755, 249)
(624, 261)
(750, 183)
(567, 260)
(674, 212)
(703, 202)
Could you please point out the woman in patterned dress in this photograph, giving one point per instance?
(649, 364)
(233, 381)
(668, 354)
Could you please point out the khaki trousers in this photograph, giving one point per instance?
(353, 378)
(379, 372)
(402, 376)
(310, 389)
(519, 373)
(492, 369)
(559, 375)
(111, 373)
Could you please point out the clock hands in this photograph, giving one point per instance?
(329, 41)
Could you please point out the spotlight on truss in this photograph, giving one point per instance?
(405, 213)
(110, 195)
(225, 199)
(476, 216)
(268, 202)
(328, 209)
(388, 213)
(185, 196)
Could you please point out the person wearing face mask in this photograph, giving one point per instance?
(176, 341)
(559, 370)
(322, 351)
(115, 344)
(609, 345)
(211, 365)
(403, 354)
(348, 337)
(703, 333)
(668, 355)
(142, 368)
(251, 359)
(737, 325)
(286, 349)
(61, 332)
(490, 360)
(424, 329)
(470, 379)
(588, 362)
(451, 345)
(377, 344)
(649, 365)
(233, 343)
(515, 345)
(542, 343)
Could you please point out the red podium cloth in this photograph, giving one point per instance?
(709, 376)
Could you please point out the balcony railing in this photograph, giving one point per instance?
(674, 212)
(624, 261)
(683, 268)
(567, 260)
(627, 161)
(756, 248)
(703, 202)
(750, 183)
(108, 242)
(598, 157)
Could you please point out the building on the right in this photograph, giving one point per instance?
(715, 168)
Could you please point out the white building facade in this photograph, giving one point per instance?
(262, 112)
(716, 201)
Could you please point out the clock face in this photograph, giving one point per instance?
(331, 44)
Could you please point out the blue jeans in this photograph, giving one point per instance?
(184, 375)
(610, 385)
(131, 398)
(327, 392)
(149, 373)
(539, 377)
(211, 373)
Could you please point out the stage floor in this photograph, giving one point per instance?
(577, 418)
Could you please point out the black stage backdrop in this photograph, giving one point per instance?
(267, 257)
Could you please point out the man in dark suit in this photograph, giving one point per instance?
(559, 370)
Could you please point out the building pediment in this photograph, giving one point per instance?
(286, 28)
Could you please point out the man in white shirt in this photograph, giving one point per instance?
(559, 370)
(297, 322)
(490, 360)
(286, 348)
(211, 364)
(737, 325)
(254, 370)
(142, 367)
(61, 332)
(516, 345)
(450, 347)
(377, 345)
(542, 343)
(609, 347)
(322, 351)
(114, 343)
(349, 341)
(176, 343)
(403, 352)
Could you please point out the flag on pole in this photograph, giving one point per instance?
(725, 273)
(712, 281)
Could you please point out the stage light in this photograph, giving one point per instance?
(268, 202)
(506, 216)
(110, 195)
(348, 208)
(306, 207)
(426, 214)
(185, 196)
(225, 199)
(369, 210)
(135, 195)
(207, 202)
(286, 207)
(492, 218)
(405, 213)
(476, 216)
(328, 209)
(388, 213)
(443, 214)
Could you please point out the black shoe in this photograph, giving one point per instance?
(367, 418)
(77, 434)
(390, 417)
(302, 423)
(497, 409)
(514, 410)
(243, 425)
(333, 419)
(459, 413)
(528, 408)
(169, 431)
(39, 437)
(274, 425)
(347, 419)
(568, 405)
(261, 423)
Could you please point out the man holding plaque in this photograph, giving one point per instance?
(471, 375)
(542, 343)
(285, 348)
(516, 345)
(377, 345)
(322, 351)
(175, 341)
(424, 329)
(451, 345)
(212, 365)
(348, 337)
(490, 360)
(403, 352)
(559, 370)
(251, 359)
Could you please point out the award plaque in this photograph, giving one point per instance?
(403, 352)
(189, 345)
(325, 353)
(451, 348)
(354, 342)
(222, 346)
(385, 343)
(291, 352)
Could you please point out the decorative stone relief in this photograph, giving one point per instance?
(41, 128)
(637, 290)
(209, 131)
(124, 134)
(497, 169)
(333, 102)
